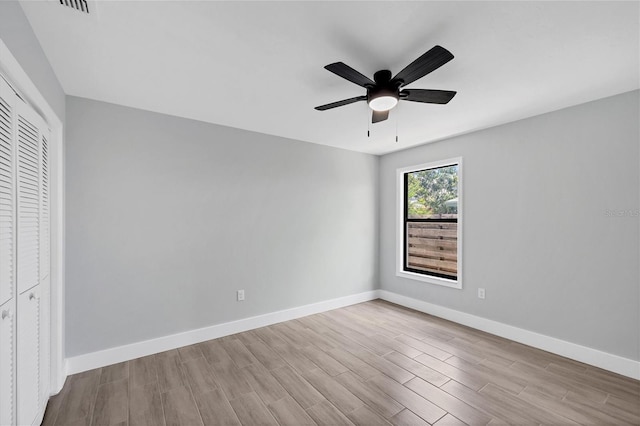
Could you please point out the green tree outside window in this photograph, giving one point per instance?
(433, 192)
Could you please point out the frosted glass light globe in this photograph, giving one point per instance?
(383, 103)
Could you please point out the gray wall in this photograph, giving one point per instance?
(16, 33)
(168, 217)
(536, 231)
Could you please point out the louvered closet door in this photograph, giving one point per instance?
(28, 174)
(45, 254)
(30, 306)
(8, 101)
(24, 261)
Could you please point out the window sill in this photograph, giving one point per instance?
(430, 279)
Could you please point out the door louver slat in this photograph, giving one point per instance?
(28, 205)
(7, 206)
(44, 218)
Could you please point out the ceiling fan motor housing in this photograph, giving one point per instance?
(385, 94)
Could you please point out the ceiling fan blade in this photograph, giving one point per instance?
(379, 116)
(427, 96)
(430, 61)
(340, 103)
(345, 71)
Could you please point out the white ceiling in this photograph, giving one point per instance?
(259, 65)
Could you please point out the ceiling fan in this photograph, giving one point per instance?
(384, 92)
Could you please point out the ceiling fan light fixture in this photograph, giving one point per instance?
(383, 103)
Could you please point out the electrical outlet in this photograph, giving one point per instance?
(481, 293)
(240, 295)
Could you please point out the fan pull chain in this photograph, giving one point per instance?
(396, 114)
(368, 124)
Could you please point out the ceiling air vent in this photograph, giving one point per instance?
(80, 5)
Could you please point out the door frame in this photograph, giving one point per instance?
(20, 81)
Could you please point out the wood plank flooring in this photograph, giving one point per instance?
(374, 363)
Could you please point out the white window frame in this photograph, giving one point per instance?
(400, 231)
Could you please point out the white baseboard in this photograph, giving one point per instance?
(607, 361)
(604, 360)
(80, 363)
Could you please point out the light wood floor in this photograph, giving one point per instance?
(367, 364)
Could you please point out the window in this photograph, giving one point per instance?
(429, 223)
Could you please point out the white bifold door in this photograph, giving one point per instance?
(24, 261)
